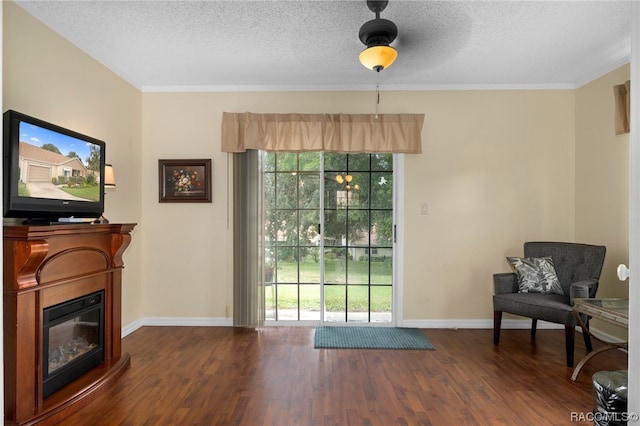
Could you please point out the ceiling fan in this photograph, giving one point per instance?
(377, 34)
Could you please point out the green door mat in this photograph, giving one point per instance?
(370, 338)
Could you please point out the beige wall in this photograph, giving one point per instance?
(498, 168)
(47, 77)
(602, 182)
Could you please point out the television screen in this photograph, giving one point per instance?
(50, 173)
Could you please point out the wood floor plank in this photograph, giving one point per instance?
(234, 376)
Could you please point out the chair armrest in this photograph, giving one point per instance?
(583, 290)
(505, 282)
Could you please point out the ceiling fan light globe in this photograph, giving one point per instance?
(378, 57)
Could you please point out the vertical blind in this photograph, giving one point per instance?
(248, 240)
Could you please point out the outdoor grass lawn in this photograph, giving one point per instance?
(335, 273)
(86, 192)
(22, 190)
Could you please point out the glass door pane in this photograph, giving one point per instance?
(350, 266)
(358, 218)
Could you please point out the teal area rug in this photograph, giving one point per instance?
(370, 338)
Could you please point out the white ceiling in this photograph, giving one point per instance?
(314, 45)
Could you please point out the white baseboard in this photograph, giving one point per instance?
(131, 327)
(447, 323)
(188, 321)
(228, 322)
(176, 322)
(477, 323)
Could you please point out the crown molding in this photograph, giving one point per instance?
(386, 88)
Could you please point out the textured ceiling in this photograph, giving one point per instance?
(314, 45)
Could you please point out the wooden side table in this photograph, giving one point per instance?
(613, 311)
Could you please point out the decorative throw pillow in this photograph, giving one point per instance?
(535, 275)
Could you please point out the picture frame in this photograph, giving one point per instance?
(184, 181)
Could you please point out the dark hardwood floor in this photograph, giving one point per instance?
(229, 376)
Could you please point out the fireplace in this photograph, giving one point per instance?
(64, 276)
(73, 340)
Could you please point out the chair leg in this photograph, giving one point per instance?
(587, 338)
(534, 323)
(569, 334)
(497, 320)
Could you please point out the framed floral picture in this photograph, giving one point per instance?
(184, 181)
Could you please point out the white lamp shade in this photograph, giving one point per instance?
(109, 176)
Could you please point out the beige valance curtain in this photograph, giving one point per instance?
(400, 133)
(622, 97)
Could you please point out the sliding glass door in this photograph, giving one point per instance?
(329, 237)
(292, 238)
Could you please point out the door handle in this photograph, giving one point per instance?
(623, 272)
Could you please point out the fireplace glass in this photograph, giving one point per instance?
(73, 340)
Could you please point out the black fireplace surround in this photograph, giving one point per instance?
(73, 340)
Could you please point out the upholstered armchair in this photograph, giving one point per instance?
(577, 267)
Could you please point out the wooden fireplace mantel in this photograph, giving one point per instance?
(44, 266)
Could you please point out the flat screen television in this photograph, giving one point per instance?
(50, 174)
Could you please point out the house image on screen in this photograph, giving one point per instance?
(41, 165)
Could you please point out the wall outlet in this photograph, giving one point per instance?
(424, 208)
